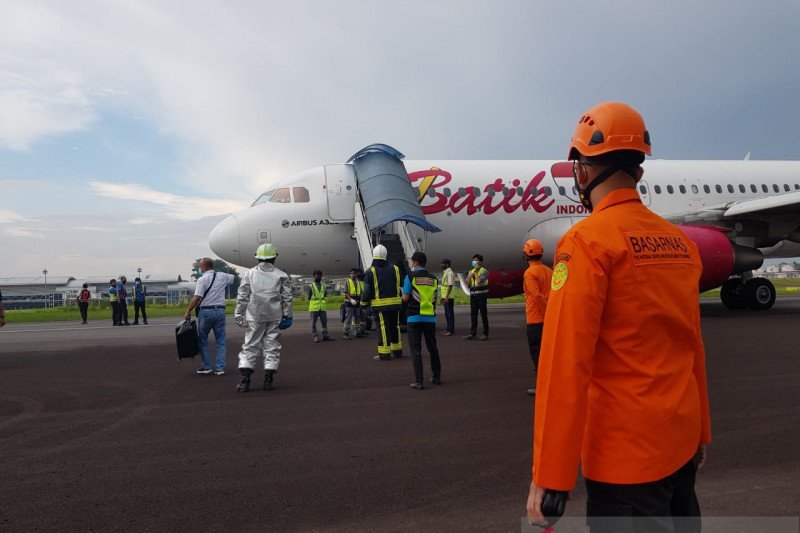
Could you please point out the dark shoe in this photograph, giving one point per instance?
(145, 322)
(418, 386)
(325, 338)
(483, 338)
(84, 322)
(244, 384)
(382, 358)
(436, 381)
(269, 375)
(397, 354)
(532, 391)
(202, 370)
(127, 323)
(469, 338)
(135, 323)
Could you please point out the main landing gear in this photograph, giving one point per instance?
(755, 293)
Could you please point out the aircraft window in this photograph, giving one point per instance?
(505, 191)
(431, 193)
(490, 192)
(796, 187)
(657, 188)
(476, 191)
(281, 196)
(519, 191)
(263, 198)
(670, 189)
(642, 189)
(706, 189)
(753, 188)
(301, 194)
(775, 188)
(786, 187)
(548, 191)
(462, 191)
(349, 187)
(764, 187)
(741, 188)
(534, 191)
(682, 189)
(695, 190)
(447, 192)
(718, 188)
(730, 188)
(562, 191)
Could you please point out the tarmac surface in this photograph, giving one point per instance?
(103, 428)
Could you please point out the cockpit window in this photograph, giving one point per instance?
(281, 196)
(300, 194)
(263, 198)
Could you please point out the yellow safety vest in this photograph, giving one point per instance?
(317, 301)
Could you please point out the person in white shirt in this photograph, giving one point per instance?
(209, 297)
(448, 280)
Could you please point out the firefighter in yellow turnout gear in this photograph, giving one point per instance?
(382, 293)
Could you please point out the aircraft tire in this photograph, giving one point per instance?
(731, 294)
(759, 293)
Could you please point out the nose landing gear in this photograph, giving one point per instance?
(755, 293)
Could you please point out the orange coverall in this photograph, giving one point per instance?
(536, 282)
(622, 377)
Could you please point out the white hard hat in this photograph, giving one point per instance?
(266, 251)
(379, 252)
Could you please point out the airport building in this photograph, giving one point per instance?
(55, 291)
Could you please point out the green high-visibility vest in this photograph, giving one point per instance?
(317, 301)
(423, 293)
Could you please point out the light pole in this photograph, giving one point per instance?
(139, 271)
(45, 287)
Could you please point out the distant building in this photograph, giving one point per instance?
(32, 292)
(778, 271)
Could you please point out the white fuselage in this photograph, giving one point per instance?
(486, 207)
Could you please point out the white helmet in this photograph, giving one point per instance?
(379, 252)
(266, 251)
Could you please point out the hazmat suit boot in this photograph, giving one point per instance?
(325, 336)
(244, 384)
(269, 375)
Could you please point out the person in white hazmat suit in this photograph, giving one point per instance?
(264, 307)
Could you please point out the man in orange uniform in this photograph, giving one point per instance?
(622, 379)
(537, 289)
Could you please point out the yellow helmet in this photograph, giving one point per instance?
(266, 251)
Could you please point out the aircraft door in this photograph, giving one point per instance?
(340, 184)
(644, 192)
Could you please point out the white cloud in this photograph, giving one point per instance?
(7, 217)
(177, 207)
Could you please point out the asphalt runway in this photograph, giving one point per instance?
(103, 428)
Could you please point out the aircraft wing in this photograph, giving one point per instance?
(762, 208)
(784, 204)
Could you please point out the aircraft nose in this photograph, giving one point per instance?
(224, 240)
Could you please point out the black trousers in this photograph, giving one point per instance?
(123, 311)
(416, 331)
(137, 305)
(115, 312)
(477, 304)
(84, 307)
(667, 505)
(449, 314)
(534, 332)
(389, 342)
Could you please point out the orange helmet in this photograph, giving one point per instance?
(532, 247)
(608, 127)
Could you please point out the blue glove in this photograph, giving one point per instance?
(286, 322)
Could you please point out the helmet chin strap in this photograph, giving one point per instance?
(585, 194)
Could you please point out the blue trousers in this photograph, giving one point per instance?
(212, 319)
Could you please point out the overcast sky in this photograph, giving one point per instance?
(128, 129)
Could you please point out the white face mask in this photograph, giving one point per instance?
(474, 264)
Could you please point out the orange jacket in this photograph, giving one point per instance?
(622, 378)
(537, 289)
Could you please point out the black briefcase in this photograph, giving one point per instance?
(186, 339)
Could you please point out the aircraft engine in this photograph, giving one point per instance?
(721, 258)
(505, 283)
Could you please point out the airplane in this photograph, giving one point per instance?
(737, 212)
